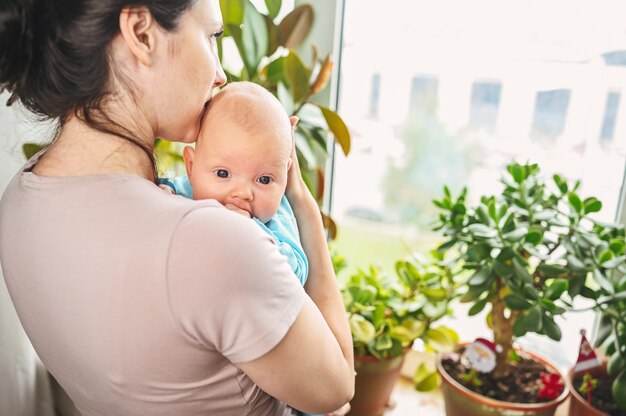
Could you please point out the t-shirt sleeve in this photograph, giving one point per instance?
(229, 287)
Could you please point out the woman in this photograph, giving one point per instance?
(139, 302)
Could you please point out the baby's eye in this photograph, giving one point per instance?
(222, 173)
(265, 180)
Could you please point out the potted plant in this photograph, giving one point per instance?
(526, 255)
(601, 390)
(386, 316)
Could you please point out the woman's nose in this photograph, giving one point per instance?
(220, 76)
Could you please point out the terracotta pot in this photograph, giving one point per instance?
(461, 401)
(374, 383)
(578, 406)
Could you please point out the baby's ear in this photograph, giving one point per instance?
(188, 154)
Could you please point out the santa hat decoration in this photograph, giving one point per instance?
(481, 355)
(586, 355)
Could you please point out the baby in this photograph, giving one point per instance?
(241, 159)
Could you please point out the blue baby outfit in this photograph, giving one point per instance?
(282, 227)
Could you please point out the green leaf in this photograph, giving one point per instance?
(275, 71)
(232, 13)
(426, 379)
(516, 234)
(254, 39)
(439, 340)
(297, 77)
(384, 343)
(603, 281)
(479, 251)
(531, 292)
(519, 326)
(575, 202)
(481, 276)
(502, 269)
(533, 237)
(533, 319)
(575, 263)
(435, 293)
(517, 172)
(478, 307)
(338, 128)
(273, 7)
(560, 183)
(505, 254)
(295, 27)
(481, 230)
(362, 329)
(31, 149)
(515, 302)
(556, 289)
(592, 205)
(551, 270)
(272, 35)
(521, 272)
(551, 329)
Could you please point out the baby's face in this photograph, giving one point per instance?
(236, 167)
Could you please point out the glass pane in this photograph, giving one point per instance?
(449, 92)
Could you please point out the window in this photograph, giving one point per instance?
(550, 113)
(484, 106)
(423, 99)
(610, 116)
(375, 95)
(469, 88)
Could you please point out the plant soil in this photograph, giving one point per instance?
(601, 397)
(521, 385)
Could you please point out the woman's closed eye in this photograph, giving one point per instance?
(265, 180)
(222, 173)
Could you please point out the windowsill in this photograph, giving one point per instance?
(405, 400)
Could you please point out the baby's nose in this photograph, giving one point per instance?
(242, 191)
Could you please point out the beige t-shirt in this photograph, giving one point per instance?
(139, 301)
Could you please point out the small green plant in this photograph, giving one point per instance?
(471, 378)
(387, 315)
(588, 385)
(528, 253)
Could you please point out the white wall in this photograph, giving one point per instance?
(24, 388)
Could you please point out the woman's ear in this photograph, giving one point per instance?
(137, 26)
(188, 154)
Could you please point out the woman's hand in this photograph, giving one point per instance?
(296, 188)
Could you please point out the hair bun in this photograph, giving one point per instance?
(16, 44)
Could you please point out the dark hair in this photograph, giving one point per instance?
(54, 55)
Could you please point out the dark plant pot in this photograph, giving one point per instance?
(461, 401)
(374, 383)
(578, 406)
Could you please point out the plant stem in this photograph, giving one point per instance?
(502, 331)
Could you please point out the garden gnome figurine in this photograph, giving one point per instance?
(586, 355)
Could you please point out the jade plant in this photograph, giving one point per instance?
(610, 302)
(528, 253)
(387, 315)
